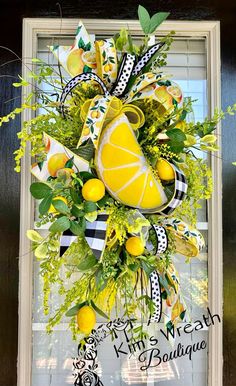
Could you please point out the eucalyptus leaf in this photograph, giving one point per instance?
(148, 269)
(89, 262)
(60, 225)
(45, 204)
(99, 311)
(144, 19)
(39, 190)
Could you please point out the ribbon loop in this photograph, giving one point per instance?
(124, 75)
(85, 77)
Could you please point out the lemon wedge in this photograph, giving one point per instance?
(122, 167)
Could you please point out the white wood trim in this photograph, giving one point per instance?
(32, 28)
(215, 266)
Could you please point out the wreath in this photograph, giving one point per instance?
(116, 176)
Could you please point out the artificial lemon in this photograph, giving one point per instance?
(86, 319)
(122, 167)
(134, 246)
(93, 190)
(165, 170)
(52, 209)
(56, 162)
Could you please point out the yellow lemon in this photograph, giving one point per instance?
(122, 167)
(93, 190)
(52, 209)
(134, 246)
(56, 161)
(165, 170)
(86, 319)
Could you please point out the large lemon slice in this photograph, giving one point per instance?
(124, 170)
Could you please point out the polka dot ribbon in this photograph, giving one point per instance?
(154, 281)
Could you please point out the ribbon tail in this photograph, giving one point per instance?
(146, 58)
(95, 235)
(156, 297)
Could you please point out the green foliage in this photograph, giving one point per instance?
(150, 24)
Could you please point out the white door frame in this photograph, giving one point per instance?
(32, 28)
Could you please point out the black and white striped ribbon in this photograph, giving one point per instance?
(95, 235)
(181, 187)
(125, 72)
(146, 58)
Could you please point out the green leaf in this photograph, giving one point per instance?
(60, 206)
(100, 312)
(77, 212)
(70, 163)
(148, 269)
(60, 225)
(41, 251)
(76, 196)
(106, 199)
(88, 263)
(39, 190)
(34, 236)
(133, 267)
(90, 206)
(76, 228)
(176, 135)
(74, 310)
(144, 19)
(86, 176)
(45, 204)
(156, 20)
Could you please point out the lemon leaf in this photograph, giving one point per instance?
(144, 19)
(90, 206)
(156, 20)
(100, 312)
(60, 206)
(76, 228)
(87, 263)
(39, 190)
(74, 310)
(60, 225)
(34, 236)
(45, 204)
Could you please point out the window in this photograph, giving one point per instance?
(46, 359)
